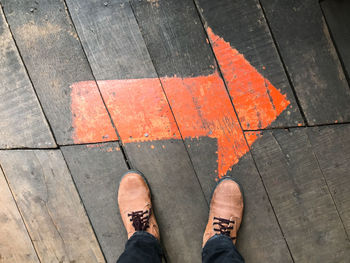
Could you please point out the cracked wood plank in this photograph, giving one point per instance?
(16, 245)
(50, 206)
(22, 122)
(307, 50)
(97, 170)
(300, 197)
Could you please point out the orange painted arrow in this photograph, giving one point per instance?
(201, 106)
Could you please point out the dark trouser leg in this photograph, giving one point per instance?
(141, 247)
(220, 249)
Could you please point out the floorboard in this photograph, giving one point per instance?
(238, 29)
(22, 122)
(55, 60)
(300, 197)
(260, 238)
(16, 245)
(336, 14)
(50, 205)
(97, 170)
(121, 38)
(313, 65)
(331, 146)
(119, 58)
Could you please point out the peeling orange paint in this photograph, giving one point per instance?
(91, 122)
(201, 107)
(257, 101)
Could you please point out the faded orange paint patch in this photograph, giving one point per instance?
(139, 109)
(257, 101)
(252, 136)
(91, 122)
(202, 107)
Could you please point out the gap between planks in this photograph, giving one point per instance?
(283, 65)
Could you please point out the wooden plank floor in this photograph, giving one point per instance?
(186, 91)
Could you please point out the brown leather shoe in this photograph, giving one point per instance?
(134, 200)
(226, 210)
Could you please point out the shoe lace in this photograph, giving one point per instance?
(140, 219)
(224, 227)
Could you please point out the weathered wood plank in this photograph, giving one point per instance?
(50, 206)
(115, 49)
(22, 123)
(307, 50)
(300, 197)
(176, 41)
(175, 38)
(260, 238)
(337, 16)
(55, 60)
(119, 39)
(16, 245)
(242, 25)
(97, 170)
(331, 146)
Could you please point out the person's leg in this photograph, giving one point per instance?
(225, 217)
(134, 200)
(220, 249)
(141, 247)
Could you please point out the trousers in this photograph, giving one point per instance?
(144, 248)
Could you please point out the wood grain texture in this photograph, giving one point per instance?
(22, 123)
(175, 38)
(337, 16)
(307, 50)
(242, 24)
(300, 197)
(50, 206)
(180, 206)
(53, 55)
(111, 39)
(97, 170)
(331, 146)
(16, 245)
